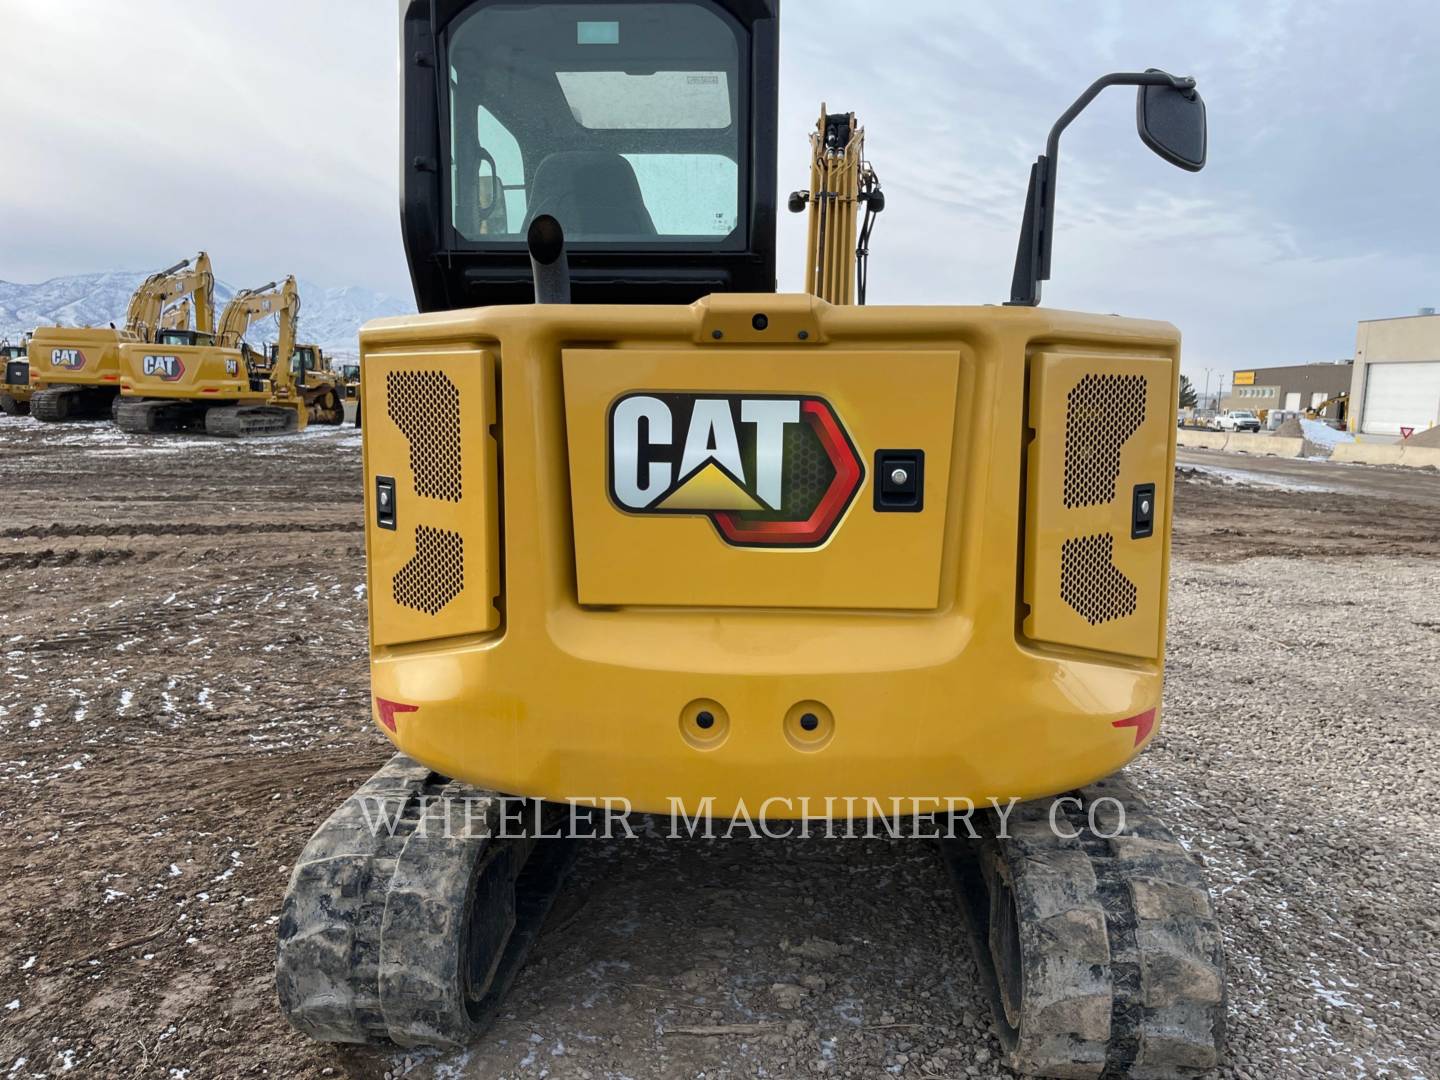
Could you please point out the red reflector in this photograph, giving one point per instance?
(210, 390)
(109, 378)
(1143, 724)
(388, 709)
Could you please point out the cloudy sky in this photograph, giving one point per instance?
(267, 131)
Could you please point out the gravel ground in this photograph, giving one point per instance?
(182, 629)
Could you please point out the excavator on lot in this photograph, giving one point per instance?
(76, 370)
(15, 387)
(219, 385)
(642, 530)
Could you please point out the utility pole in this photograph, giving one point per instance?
(1207, 371)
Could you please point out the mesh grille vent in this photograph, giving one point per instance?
(425, 406)
(435, 575)
(1091, 583)
(1101, 412)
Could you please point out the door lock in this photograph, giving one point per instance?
(1142, 511)
(899, 481)
(385, 502)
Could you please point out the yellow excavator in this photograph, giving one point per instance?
(219, 385)
(1334, 408)
(76, 370)
(643, 532)
(15, 387)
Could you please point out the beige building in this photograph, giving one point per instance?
(1395, 383)
(1295, 387)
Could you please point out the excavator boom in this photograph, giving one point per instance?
(176, 317)
(187, 279)
(249, 306)
(842, 182)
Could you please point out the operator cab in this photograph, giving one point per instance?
(302, 359)
(646, 128)
(183, 337)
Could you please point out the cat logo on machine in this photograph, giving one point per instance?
(67, 359)
(232, 366)
(168, 368)
(767, 470)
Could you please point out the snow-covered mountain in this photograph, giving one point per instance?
(330, 317)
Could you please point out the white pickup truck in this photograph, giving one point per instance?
(1237, 420)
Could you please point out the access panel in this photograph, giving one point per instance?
(432, 509)
(743, 477)
(1098, 485)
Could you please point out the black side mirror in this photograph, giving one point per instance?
(1171, 119)
(1172, 123)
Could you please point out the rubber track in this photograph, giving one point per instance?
(137, 417)
(58, 404)
(156, 416)
(370, 923)
(49, 405)
(1122, 974)
(241, 421)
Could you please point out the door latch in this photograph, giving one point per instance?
(1142, 511)
(385, 502)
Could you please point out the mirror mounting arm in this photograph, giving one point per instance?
(1032, 259)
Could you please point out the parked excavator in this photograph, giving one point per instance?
(643, 531)
(15, 390)
(218, 384)
(76, 370)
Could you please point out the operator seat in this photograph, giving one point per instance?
(591, 193)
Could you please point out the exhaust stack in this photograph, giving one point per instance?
(548, 263)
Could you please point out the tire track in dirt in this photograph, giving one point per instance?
(60, 530)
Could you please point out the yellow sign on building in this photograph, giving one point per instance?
(1244, 378)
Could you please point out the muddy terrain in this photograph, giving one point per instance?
(183, 698)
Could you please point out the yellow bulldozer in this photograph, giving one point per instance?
(15, 389)
(219, 385)
(317, 377)
(76, 370)
(643, 531)
(350, 373)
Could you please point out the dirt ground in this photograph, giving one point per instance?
(183, 699)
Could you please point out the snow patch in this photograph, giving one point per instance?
(1255, 479)
(1322, 434)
